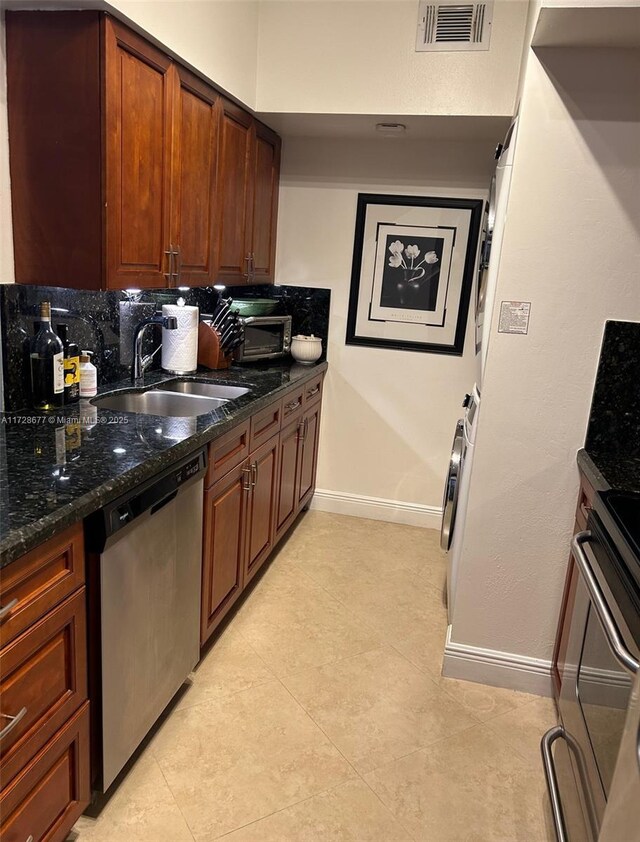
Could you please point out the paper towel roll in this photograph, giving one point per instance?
(180, 346)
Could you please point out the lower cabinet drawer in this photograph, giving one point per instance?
(43, 681)
(34, 583)
(313, 390)
(265, 424)
(226, 452)
(292, 405)
(50, 794)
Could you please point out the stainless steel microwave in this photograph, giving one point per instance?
(265, 338)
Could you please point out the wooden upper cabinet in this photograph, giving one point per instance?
(54, 111)
(193, 192)
(128, 170)
(266, 177)
(234, 194)
(138, 120)
(248, 180)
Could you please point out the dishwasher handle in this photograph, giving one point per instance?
(164, 501)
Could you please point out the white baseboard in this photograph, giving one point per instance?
(377, 508)
(499, 669)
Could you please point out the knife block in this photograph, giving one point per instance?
(210, 354)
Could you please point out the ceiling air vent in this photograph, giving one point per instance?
(452, 25)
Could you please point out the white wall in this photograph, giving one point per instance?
(358, 56)
(572, 248)
(218, 37)
(389, 416)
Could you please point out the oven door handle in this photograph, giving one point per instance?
(552, 780)
(619, 650)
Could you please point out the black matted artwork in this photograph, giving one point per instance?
(412, 272)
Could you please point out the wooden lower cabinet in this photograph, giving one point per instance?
(288, 474)
(44, 752)
(297, 464)
(46, 799)
(309, 453)
(261, 508)
(250, 508)
(44, 672)
(238, 532)
(225, 508)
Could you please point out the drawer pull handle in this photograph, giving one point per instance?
(7, 609)
(14, 721)
(293, 405)
(30, 839)
(313, 392)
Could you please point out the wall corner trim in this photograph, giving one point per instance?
(377, 508)
(499, 669)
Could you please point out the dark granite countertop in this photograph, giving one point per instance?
(56, 472)
(606, 471)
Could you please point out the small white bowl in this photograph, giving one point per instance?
(306, 349)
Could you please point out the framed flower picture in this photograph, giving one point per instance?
(412, 272)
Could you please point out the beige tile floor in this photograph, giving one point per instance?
(320, 714)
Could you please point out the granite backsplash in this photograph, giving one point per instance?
(104, 322)
(614, 420)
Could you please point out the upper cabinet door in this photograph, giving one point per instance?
(266, 177)
(234, 189)
(138, 114)
(193, 211)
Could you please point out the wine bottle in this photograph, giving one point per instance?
(71, 366)
(47, 365)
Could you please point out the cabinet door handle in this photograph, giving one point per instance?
(177, 273)
(253, 265)
(254, 474)
(300, 430)
(292, 405)
(13, 722)
(246, 478)
(6, 610)
(247, 260)
(313, 392)
(169, 275)
(306, 429)
(618, 649)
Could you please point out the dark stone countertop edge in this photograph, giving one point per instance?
(16, 543)
(608, 472)
(591, 471)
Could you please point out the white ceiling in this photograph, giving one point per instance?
(363, 126)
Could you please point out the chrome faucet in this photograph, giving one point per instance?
(140, 363)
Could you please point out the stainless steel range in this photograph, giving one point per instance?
(593, 772)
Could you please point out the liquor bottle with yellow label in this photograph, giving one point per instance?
(71, 366)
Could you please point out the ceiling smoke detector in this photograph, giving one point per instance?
(391, 129)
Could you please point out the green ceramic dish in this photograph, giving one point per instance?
(255, 306)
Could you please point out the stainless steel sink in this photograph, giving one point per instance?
(205, 390)
(160, 402)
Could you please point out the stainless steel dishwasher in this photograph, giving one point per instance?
(144, 606)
